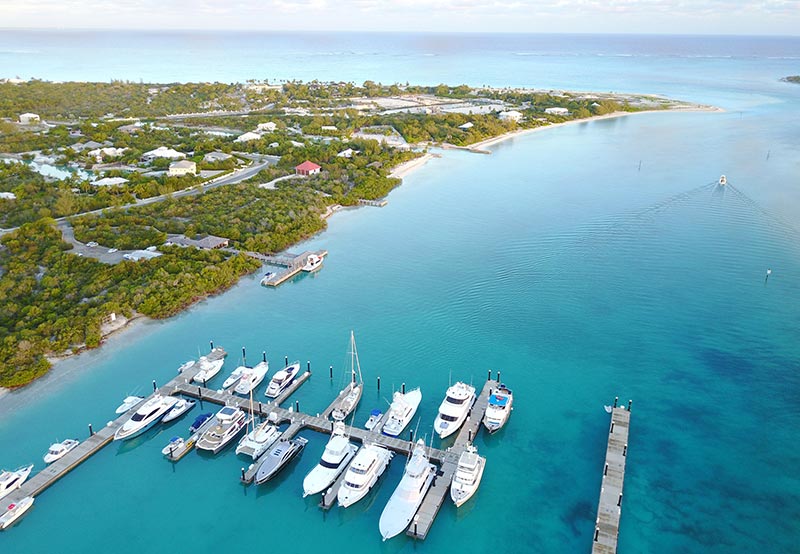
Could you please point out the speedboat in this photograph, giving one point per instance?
(282, 379)
(277, 458)
(199, 421)
(186, 365)
(147, 415)
(181, 407)
(267, 276)
(348, 403)
(234, 377)
(229, 423)
(403, 408)
(251, 377)
(468, 475)
(723, 180)
(313, 263)
(408, 495)
(15, 511)
(208, 369)
(499, 408)
(128, 403)
(375, 417)
(256, 442)
(454, 409)
(59, 449)
(362, 474)
(338, 453)
(10, 480)
(175, 444)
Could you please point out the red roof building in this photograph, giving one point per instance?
(307, 168)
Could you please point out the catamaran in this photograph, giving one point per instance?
(338, 453)
(468, 476)
(499, 408)
(354, 388)
(454, 409)
(408, 495)
(147, 415)
(402, 410)
(362, 474)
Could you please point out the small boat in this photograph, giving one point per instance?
(402, 410)
(175, 444)
(338, 453)
(499, 408)
(282, 379)
(468, 475)
(354, 388)
(181, 407)
(267, 276)
(230, 422)
(186, 365)
(199, 421)
(408, 495)
(10, 480)
(375, 417)
(723, 180)
(147, 415)
(252, 377)
(313, 263)
(208, 369)
(59, 449)
(608, 408)
(234, 377)
(15, 511)
(454, 409)
(256, 442)
(277, 457)
(369, 464)
(128, 403)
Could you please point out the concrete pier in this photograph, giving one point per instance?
(609, 507)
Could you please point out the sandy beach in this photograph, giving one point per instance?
(407, 167)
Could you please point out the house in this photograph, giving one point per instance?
(8, 196)
(110, 182)
(181, 168)
(208, 243)
(346, 153)
(329, 128)
(29, 119)
(296, 144)
(248, 136)
(557, 111)
(109, 152)
(467, 125)
(307, 168)
(162, 152)
(510, 115)
(268, 127)
(131, 129)
(212, 157)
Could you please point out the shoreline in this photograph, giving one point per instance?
(408, 167)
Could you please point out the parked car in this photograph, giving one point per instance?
(91, 244)
(112, 250)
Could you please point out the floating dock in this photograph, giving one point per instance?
(609, 507)
(292, 264)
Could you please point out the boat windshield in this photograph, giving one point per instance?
(329, 465)
(139, 416)
(446, 417)
(353, 485)
(456, 401)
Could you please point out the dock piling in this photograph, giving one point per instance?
(629, 404)
(91, 432)
(616, 399)
(403, 388)
(410, 435)
(498, 376)
(155, 388)
(243, 472)
(296, 405)
(286, 360)
(211, 342)
(379, 383)
(263, 355)
(330, 370)
(308, 365)
(244, 357)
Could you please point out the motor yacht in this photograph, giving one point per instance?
(723, 180)
(313, 263)
(186, 365)
(498, 409)
(59, 449)
(128, 403)
(199, 421)
(375, 417)
(402, 410)
(408, 495)
(181, 407)
(10, 480)
(277, 457)
(234, 377)
(338, 453)
(230, 421)
(467, 476)
(147, 415)
(207, 369)
(256, 442)
(15, 511)
(282, 379)
(368, 465)
(252, 377)
(454, 409)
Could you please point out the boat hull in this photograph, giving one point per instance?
(11, 516)
(318, 480)
(271, 466)
(23, 474)
(397, 515)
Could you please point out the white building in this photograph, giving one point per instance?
(510, 115)
(181, 168)
(467, 125)
(346, 153)
(100, 153)
(212, 157)
(8, 196)
(110, 182)
(162, 152)
(269, 127)
(29, 119)
(329, 128)
(137, 255)
(296, 144)
(248, 136)
(557, 111)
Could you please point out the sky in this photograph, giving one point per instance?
(752, 17)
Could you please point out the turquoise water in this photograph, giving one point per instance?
(556, 260)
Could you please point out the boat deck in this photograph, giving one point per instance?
(609, 507)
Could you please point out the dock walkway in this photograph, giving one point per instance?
(609, 507)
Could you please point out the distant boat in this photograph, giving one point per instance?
(11, 480)
(402, 410)
(128, 403)
(278, 457)
(15, 511)
(181, 407)
(313, 263)
(338, 453)
(499, 408)
(59, 449)
(355, 386)
(723, 180)
(468, 476)
(267, 277)
(408, 495)
(454, 409)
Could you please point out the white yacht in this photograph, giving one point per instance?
(498, 409)
(408, 495)
(207, 369)
(234, 377)
(375, 417)
(229, 423)
(454, 409)
(256, 442)
(353, 389)
(468, 475)
(15, 511)
(181, 407)
(338, 453)
(147, 415)
(403, 408)
(128, 403)
(282, 379)
(252, 377)
(186, 365)
(175, 445)
(368, 465)
(10, 480)
(59, 449)
(278, 456)
(313, 263)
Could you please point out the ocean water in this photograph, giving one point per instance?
(595, 260)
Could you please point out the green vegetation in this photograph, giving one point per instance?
(792, 79)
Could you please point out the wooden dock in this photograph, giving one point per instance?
(292, 264)
(609, 507)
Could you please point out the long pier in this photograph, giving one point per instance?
(609, 507)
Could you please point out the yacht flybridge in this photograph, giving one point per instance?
(468, 476)
(282, 379)
(454, 409)
(402, 410)
(338, 453)
(364, 471)
(498, 409)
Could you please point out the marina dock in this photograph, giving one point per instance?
(292, 265)
(609, 507)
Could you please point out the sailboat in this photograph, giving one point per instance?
(354, 388)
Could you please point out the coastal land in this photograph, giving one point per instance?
(171, 193)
